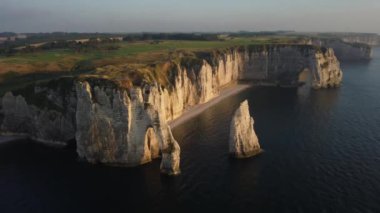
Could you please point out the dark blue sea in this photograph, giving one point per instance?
(322, 154)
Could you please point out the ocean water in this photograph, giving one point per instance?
(322, 154)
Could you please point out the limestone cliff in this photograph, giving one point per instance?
(126, 124)
(117, 126)
(44, 112)
(346, 51)
(328, 73)
(282, 65)
(243, 141)
(364, 38)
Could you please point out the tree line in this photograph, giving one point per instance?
(9, 48)
(171, 36)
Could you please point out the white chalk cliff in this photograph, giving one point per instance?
(114, 127)
(345, 51)
(113, 124)
(243, 142)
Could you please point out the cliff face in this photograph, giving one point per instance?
(327, 71)
(129, 126)
(193, 85)
(115, 127)
(243, 141)
(43, 112)
(282, 65)
(114, 124)
(369, 39)
(345, 51)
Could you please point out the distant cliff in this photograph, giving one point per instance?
(346, 51)
(282, 65)
(124, 122)
(369, 39)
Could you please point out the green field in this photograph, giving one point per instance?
(127, 50)
(23, 68)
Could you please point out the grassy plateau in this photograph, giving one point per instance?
(23, 68)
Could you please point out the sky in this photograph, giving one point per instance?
(189, 15)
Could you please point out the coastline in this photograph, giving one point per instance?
(198, 109)
(229, 90)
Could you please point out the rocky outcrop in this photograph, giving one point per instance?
(243, 141)
(327, 71)
(170, 155)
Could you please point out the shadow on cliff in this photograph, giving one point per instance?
(13, 80)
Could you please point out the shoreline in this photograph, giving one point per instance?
(188, 114)
(199, 108)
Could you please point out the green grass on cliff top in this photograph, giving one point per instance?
(128, 51)
(24, 68)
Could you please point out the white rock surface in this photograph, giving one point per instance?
(243, 141)
(114, 127)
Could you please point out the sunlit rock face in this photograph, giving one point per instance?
(328, 73)
(194, 85)
(276, 65)
(116, 126)
(243, 142)
(151, 143)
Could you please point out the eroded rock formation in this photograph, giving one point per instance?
(114, 127)
(243, 142)
(170, 155)
(281, 65)
(127, 125)
(328, 73)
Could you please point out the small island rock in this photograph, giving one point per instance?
(243, 139)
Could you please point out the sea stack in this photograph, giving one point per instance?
(243, 139)
(170, 155)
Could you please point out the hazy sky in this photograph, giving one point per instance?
(189, 15)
